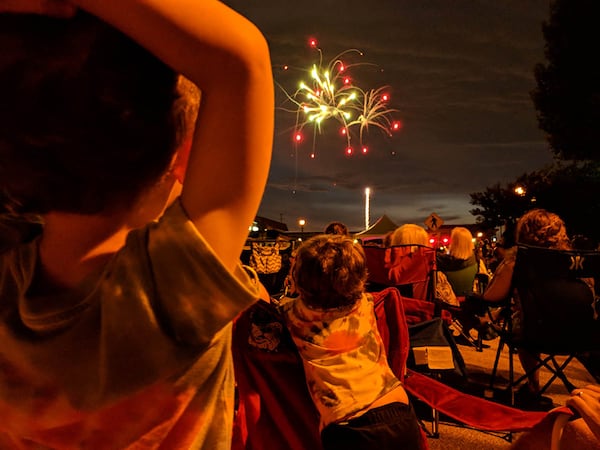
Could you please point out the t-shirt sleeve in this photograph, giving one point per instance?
(195, 293)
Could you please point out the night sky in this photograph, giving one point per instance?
(460, 73)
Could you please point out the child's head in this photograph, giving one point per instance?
(337, 228)
(330, 271)
(543, 229)
(88, 119)
(461, 243)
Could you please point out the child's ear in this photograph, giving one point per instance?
(181, 160)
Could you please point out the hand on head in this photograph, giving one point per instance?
(54, 8)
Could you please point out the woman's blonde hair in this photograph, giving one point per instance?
(409, 233)
(543, 229)
(461, 243)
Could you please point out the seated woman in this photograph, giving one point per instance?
(539, 228)
(460, 264)
(402, 261)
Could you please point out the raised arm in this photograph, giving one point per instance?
(228, 58)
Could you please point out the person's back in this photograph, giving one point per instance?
(110, 336)
(460, 264)
(333, 324)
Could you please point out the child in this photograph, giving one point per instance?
(361, 403)
(115, 323)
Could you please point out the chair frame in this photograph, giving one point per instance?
(381, 262)
(563, 265)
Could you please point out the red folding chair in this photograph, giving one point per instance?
(274, 408)
(410, 268)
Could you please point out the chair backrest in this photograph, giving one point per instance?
(558, 306)
(275, 410)
(462, 280)
(410, 268)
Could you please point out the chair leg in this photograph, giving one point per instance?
(511, 374)
(503, 332)
(496, 361)
(557, 372)
(475, 343)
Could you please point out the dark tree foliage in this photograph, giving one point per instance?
(567, 97)
(571, 191)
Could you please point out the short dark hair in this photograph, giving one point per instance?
(337, 228)
(88, 118)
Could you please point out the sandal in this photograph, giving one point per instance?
(487, 332)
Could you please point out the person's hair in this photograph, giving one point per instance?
(337, 228)
(543, 229)
(330, 271)
(409, 233)
(461, 243)
(508, 238)
(88, 118)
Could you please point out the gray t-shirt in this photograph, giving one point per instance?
(139, 357)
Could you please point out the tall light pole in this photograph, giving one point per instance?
(367, 206)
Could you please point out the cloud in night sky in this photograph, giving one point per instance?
(459, 72)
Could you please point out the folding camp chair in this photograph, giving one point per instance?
(410, 268)
(559, 311)
(274, 408)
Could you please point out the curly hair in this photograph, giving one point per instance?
(330, 271)
(543, 229)
(88, 118)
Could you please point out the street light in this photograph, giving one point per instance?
(301, 222)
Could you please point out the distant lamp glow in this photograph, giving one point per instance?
(520, 190)
(301, 222)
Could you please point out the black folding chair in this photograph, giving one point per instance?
(553, 289)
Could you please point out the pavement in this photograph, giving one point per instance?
(479, 366)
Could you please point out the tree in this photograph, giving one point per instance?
(567, 97)
(569, 190)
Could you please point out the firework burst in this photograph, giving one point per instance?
(331, 94)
